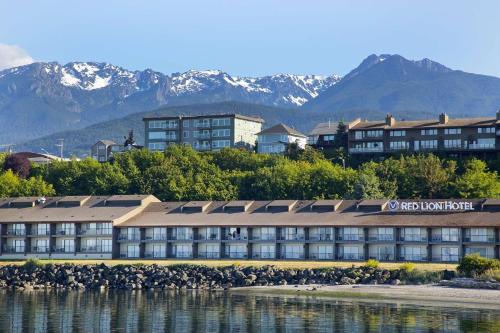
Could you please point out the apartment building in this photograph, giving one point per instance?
(276, 139)
(203, 133)
(140, 226)
(453, 137)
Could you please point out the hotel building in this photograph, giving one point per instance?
(140, 226)
(453, 137)
(203, 133)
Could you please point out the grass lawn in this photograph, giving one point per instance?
(256, 263)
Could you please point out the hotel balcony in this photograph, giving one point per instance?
(40, 249)
(127, 256)
(413, 238)
(181, 238)
(351, 256)
(95, 232)
(202, 125)
(441, 239)
(270, 238)
(321, 256)
(129, 238)
(381, 238)
(12, 249)
(446, 258)
(479, 239)
(94, 249)
(151, 255)
(212, 237)
(160, 237)
(383, 257)
(292, 238)
(65, 233)
(183, 255)
(209, 255)
(56, 249)
(235, 237)
(413, 258)
(292, 256)
(15, 233)
(321, 238)
(351, 238)
(235, 255)
(264, 255)
(36, 233)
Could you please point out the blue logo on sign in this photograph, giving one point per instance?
(393, 205)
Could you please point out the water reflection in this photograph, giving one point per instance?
(219, 312)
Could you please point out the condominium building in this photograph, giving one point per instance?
(140, 226)
(470, 136)
(203, 133)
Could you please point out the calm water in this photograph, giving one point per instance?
(219, 312)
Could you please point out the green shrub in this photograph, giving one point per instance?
(32, 263)
(372, 263)
(473, 265)
(407, 267)
(421, 277)
(490, 275)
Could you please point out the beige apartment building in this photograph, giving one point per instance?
(203, 133)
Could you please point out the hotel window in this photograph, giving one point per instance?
(211, 251)
(43, 229)
(482, 251)
(293, 251)
(351, 253)
(479, 235)
(485, 130)
(18, 245)
(183, 251)
(171, 135)
(328, 138)
(133, 251)
(201, 123)
(172, 124)
(156, 146)
(413, 234)
(321, 234)
(221, 122)
(68, 245)
(237, 251)
(182, 233)
(397, 133)
(157, 124)
(353, 234)
(452, 144)
(41, 245)
(412, 253)
(106, 245)
(449, 234)
(385, 234)
(211, 234)
(17, 229)
(159, 251)
(218, 133)
(449, 254)
(323, 252)
(265, 233)
(358, 135)
(430, 131)
(266, 251)
(185, 123)
(399, 145)
(185, 134)
(373, 134)
(294, 233)
(452, 131)
(159, 233)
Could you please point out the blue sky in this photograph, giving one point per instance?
(254, 37)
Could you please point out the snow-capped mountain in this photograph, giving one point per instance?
(78, 94)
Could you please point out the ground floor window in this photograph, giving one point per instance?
(183, 251)
(132, 251)
(449, 254)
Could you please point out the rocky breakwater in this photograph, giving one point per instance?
(134, 277)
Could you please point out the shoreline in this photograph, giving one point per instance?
(424, 295)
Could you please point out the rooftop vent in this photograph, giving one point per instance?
(125, 200)
(443, 118)
(325, 205)
(237, 206)
(390, 120)
(195, 206)
(491, 204)
(72, 201)
(281, 205)
(23, 202)
(372, 205)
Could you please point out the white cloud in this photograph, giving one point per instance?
(13, 56)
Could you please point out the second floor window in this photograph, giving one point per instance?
(484, 130)
(429, 131)
(452, 131)
(397, 133)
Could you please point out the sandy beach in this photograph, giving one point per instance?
(425, 295)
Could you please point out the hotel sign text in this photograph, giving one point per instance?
(432, 206)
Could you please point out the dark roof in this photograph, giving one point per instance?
(281, 129)
(328, 128)
(422, 124)
(235, 115)
(106, 142)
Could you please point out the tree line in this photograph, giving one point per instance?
(181, 173)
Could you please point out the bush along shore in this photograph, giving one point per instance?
(134, 277)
